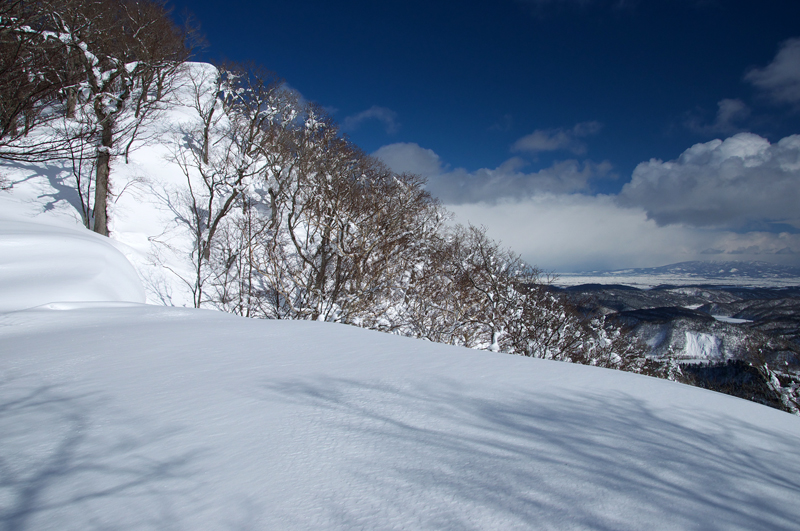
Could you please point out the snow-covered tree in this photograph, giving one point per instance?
(343, 226)
(290, 220)
(221, 152)
(118, 59)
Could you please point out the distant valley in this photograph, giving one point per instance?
(707, 316)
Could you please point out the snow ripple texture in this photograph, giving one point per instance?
(140, 417)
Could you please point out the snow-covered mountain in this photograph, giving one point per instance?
(754, 274)
(124, 415)
(720, 270)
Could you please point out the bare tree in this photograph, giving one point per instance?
(466, 291)
(341, 227)
(117, 50)
(30, 79)
(222, 157)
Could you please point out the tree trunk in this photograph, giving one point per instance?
(72, 102)
(207, 134)
(101, 180)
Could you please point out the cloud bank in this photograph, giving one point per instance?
(459, 186)
(727, 200)
(577, 232)
(726, 184)
(508, 180)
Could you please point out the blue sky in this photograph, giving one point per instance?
(539, 118)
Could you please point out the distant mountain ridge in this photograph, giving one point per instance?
(713, 270)
(693, 272)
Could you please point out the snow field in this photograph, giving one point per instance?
(701, 346)
(141, 417)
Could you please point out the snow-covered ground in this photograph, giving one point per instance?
(42, 261)
(121, 415)
(143, 417)
(118, 415)
(701, 346)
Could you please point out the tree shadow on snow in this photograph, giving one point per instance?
(63, 459)
(444, 457)
(60, 178)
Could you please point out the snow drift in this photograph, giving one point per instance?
(41, 263)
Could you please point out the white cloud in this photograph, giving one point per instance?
(730, 111)
(780, 80)
(574, 232)
(410, 158)
(730, 114)
(386, 116)
(557, 139)
(548, 218)
(727, 184)
(507, 180)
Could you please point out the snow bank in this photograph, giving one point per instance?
(147, 417)
(43, 262)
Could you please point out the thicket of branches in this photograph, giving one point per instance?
(91, 72)
(290, 220)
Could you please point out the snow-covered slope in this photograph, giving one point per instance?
(119, 415)
(143, 217)
(51, 259)
(144, 417)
